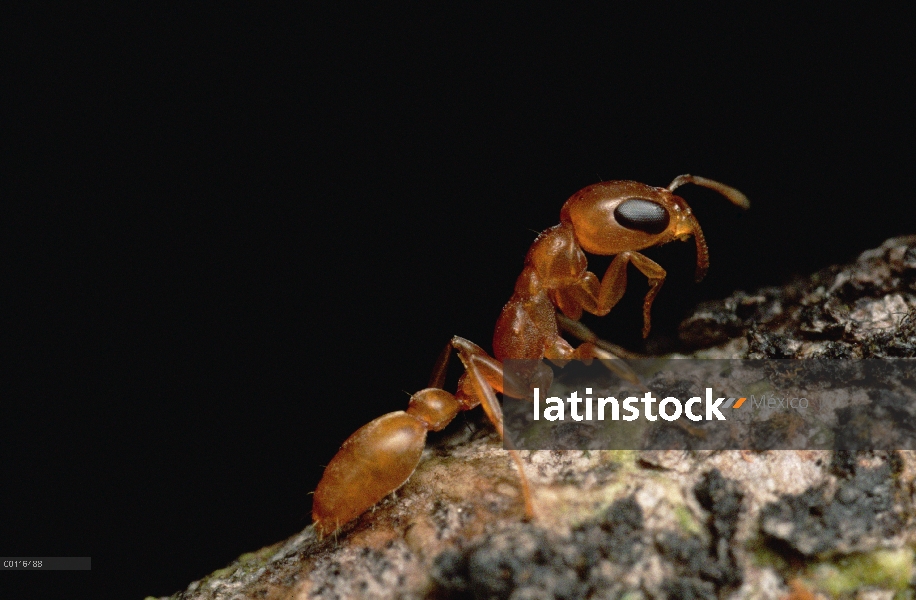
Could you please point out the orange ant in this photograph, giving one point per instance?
(609, 218)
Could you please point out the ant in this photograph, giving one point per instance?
(617, 218)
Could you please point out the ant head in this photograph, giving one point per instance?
(616, 216)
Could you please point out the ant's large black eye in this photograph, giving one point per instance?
(642, 215)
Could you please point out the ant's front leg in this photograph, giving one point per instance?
(599, 299)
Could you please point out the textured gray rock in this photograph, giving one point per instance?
(866, 309)
(657, 524)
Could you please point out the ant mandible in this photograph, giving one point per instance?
(609, 218)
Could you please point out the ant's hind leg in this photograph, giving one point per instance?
(517, 385)
(483, 378)
(491, 407)
(437, 379)
(490, 368)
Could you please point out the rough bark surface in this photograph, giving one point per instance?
(627, 524)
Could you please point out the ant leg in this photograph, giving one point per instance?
(561, 352)
(577, 329)
(491, 407)
(437, 379)
(589, 351)
(484, 376)
(611, 355)
(490, 367)
(614, 283)
(515, 384)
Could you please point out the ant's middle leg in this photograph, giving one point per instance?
(577, 329)
(593, 347)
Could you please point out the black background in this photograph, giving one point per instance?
(235, 236)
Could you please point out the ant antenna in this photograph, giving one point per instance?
(733, 195)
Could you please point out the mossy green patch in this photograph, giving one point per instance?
(764, 556)
(686, 520)
(259, 557)
(888, 569)
(625, 458)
